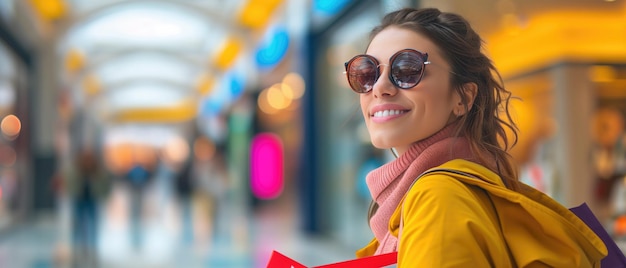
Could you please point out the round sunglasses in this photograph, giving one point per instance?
(407, 69)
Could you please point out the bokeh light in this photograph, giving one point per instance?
(118, 157)
(11, 126)
(282, 96)
(264, 104)
(329, 7)
(296, 83)
(203, 149)
(176, 151)
(274, 48)
(620, 225)
(276, 98)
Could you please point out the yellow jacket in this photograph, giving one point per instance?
(460, 214)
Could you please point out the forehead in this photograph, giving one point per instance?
(393, 39)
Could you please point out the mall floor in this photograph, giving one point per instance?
(223, 239)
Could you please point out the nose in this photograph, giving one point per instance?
(383, 86)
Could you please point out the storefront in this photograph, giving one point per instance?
(15, 154)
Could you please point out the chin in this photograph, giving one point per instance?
(381, 144)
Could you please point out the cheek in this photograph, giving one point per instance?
(364, 103)
(434, 107)
(442, 96)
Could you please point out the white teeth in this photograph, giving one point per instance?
(387, 113)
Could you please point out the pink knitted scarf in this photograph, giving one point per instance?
(389, 183)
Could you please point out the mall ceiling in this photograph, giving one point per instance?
(152, 60)
(156, 61)
(138, 67)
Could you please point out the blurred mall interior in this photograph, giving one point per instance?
(213, 132)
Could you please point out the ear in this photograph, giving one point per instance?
(468, 92)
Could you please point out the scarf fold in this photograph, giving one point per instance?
(389, 183)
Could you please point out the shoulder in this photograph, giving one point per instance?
(443, 192)
(437, 186)
(441, 213)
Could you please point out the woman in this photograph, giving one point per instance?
(451, 198)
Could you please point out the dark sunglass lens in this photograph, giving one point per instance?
(362, 74)
(406, 70)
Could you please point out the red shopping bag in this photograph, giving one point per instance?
(278, 260)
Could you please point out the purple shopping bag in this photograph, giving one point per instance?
(615, 258)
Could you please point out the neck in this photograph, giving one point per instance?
(390, 182)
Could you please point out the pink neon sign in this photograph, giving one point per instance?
(266, 166)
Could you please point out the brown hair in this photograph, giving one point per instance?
(483, 125)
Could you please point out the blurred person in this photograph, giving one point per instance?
(451, 198)
(88, 184)
(138, 177)
(608, 152)
(184, 192)
(210, 206)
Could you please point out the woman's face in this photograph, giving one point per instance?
(423, 109)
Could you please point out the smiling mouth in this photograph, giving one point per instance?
(386, 113)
